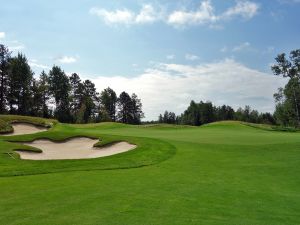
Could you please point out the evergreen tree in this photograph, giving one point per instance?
(108, 99)
(166, 117)
(4, 72)
(103, 115)
(160, 118)
(76, 94)
(59, 87)
(36, 100)
(125, 108)
(20, 79)
(90, 100)
(43, 88)
(136, 109)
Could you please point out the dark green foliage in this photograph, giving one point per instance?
(90, 100)
(288, 99)
(168, 117)
(125, 108)
(84, 100)
(225, 113)
(77, 91)
(19, 83)
(202, 113)
(108, 100)
(136, 109)
(59, 87)
(130, 109)
(198, 114)
(5, 127)
(44, 92)
(4, 68)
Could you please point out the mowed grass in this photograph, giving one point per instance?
(221, 173)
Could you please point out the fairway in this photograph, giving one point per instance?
(220, 173)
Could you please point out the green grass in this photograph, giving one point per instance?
(5, 127)
(28, 119)
(221, 173)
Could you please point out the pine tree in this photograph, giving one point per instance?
(4, 67)
(59, 87)
(125, 108)
(108, 99)
(20, 79)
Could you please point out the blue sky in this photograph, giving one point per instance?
(182, 50)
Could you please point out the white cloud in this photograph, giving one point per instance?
(15, 45)
(241, 47)
(224, 82)
(67, 59)
(245, 9)
(34, 63)
(191, 57)
(170, 57)
(245, 46)
(111, 17)
(205, 14)
(147, 14)
(2, 35)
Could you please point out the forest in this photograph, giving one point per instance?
(205, 112)
(56, 95)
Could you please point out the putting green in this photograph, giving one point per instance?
(222, 173)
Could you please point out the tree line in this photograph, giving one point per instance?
(56, 95)
(205, 112)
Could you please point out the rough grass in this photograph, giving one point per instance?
(5, 127)
(28, 119)
(222, 173)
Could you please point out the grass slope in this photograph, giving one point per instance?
(222, 173)
(5, 127)
(28, 119)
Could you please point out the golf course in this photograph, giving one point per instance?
(219, 173)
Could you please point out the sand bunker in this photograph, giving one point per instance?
(25, 128)
(76, 148)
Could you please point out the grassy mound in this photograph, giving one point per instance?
(28, 119)
(5, 127)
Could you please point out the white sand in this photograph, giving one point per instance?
(76, 148)
(25, 128)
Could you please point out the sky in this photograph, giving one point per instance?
(167, 52)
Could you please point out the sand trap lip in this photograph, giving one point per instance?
(25, 128)
(75, 148)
